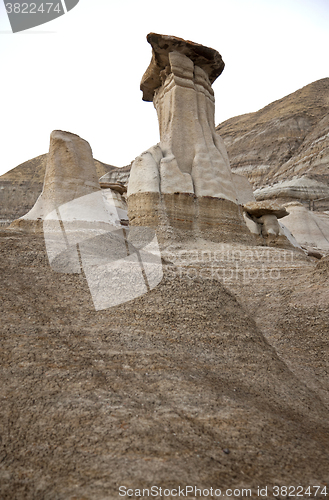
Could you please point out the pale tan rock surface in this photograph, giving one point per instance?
(72, 203)
(243, 189)
(307, 227)
(144, 175)
(301, 188)
(70, 174)
(284, 231)
(254, 227)
(113, 196)
(184, 185)
(270, 225)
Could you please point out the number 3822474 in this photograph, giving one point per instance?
(32, 8)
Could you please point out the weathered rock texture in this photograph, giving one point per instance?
(185, 181)
(262, 217)
(21, 186)
(309, 228)
(300, 188)
(116, 175)
(82, 230)
(189, 384)
(70, 174)
(71, 196)
(286, 140)
(260, 208)
(243, 189)
(204, 57)
(183, 215)
(115, 197)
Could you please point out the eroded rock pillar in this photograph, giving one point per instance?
(194, 160)
(188, 172)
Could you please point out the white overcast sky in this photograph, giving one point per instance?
(81, 72)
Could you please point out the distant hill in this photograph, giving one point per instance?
(34, 170)
(286, 139)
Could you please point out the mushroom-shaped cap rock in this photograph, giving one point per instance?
(206, 58)
(265, 207)
(115, 186)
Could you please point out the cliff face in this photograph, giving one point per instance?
(287, 138)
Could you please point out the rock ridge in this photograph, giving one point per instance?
(287, 139)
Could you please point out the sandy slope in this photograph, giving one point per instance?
(198, 382)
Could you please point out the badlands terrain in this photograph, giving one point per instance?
(284, 142)
(287, 138)
(216, 378)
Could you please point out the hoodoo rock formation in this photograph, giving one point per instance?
(70, 174)
(262, 217)
(21, 186)
(185, 182)
(82, 227)
(201, 362)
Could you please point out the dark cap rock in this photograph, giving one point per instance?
(206, 58)
(265, 207)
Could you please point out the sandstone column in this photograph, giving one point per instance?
(82, 229)
(184, 182)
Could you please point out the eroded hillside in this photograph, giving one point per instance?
(287, 138)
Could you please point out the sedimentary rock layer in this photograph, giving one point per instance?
(286, 139)
(70, 174)
(21, 186)
(301, 188)
(309, 228)
(184, 216)
(116, 174)
(211, 380)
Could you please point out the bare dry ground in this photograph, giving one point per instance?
(213, 380)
